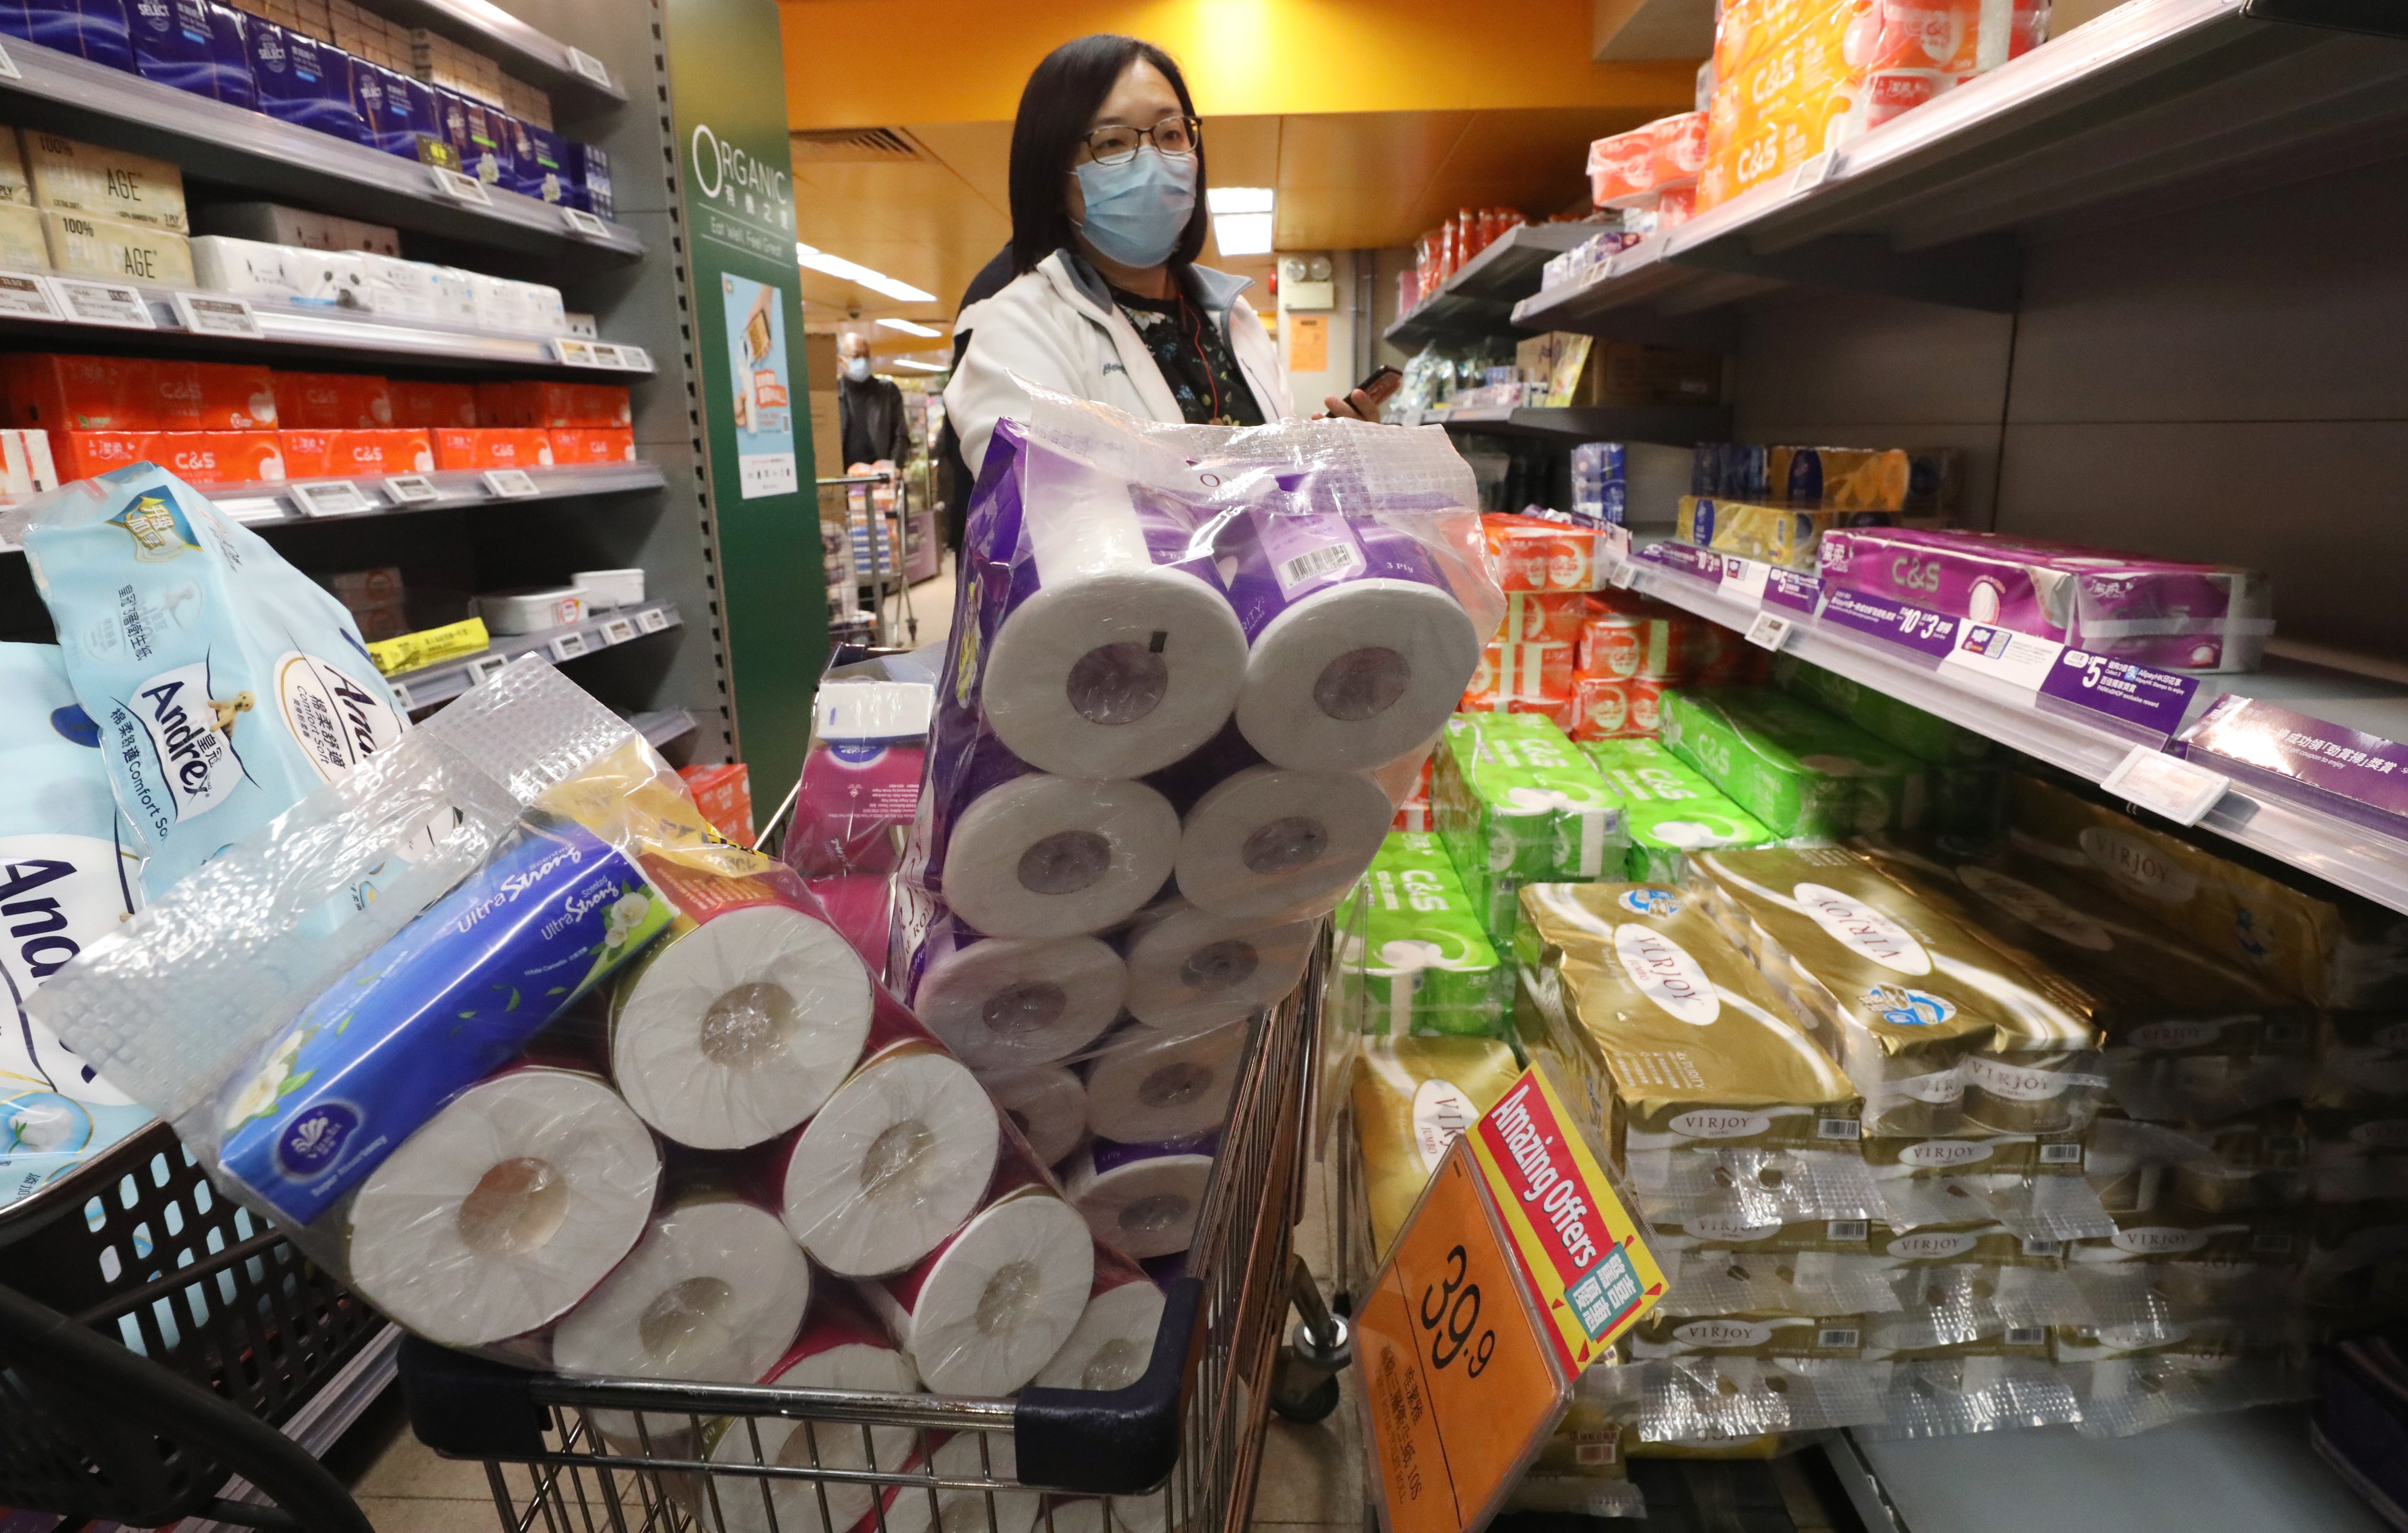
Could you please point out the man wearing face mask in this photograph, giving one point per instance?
(1107, 220)
(868, 411)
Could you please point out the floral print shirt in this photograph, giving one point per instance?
(1195, 358)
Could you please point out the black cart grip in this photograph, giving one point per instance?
(1116, 1441)
(465, 1407)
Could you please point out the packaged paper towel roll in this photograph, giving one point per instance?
(1005, 1003)
(1142, 1199)
(505, 1208)
(1054, 856)
(1114, 1338)
(1274, 842)
(892, 1166)
(981, 1313)
(1150, 1088)
(1357, 649)
(1192, 970)
(842, 1347)
(713, 1292)
(1114, 664)
(735, 1031)
(1047, 1104)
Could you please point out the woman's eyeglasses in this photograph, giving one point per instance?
(1118, 145)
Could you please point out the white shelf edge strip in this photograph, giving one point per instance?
(447, 679)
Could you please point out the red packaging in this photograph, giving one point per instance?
(1605, 707)
(1619, 166)
(431, 405)
(492, 446)
(81, 455)
(725, 796)
(1674, 207)
(1526, 670)
(309, 454)
(1676, 150)
(214, 396)
(349, 454)
(81, 393)
(247, 457)
(1531, 554)
(1623, 644)
(591, 444)
(1546, 616)
(1414, 812)
(1646, 715)
(332, 402)
(1564, 711)
(552, 405)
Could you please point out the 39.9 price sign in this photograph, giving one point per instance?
(1462, 1382)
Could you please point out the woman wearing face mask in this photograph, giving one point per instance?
(1107, 220)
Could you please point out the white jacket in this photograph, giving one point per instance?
(1057, 326)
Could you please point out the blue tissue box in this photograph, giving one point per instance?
(540, 172)
(480, 135)
(303, 81)
(586, 183)
(230, 78)
(172, 44)
(407, 112)
(96, 30)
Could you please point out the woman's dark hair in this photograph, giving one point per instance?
(1056, 109)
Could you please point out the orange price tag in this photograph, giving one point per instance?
(1463, 1379)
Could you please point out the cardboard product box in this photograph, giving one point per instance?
(1797, 768)
(1415, 959)
(72, 176)
(98, 30)
(230, 77)
(357, 453)
(591, 444)
(455, 295)
(115, 250)
(1629, 373)
(527, 101)
(273, 224)
(536, 167)
(16, 187)
(85, 454)
(404, 288)
(433, 405)
(357, 588)
(303, 81)
(588, 179)
(247, 457)
(724, 793)
(24, 238)
(490, 447)
(26, 465)
(245, 267)
(173, 44)
(214, 396)
(1517, 803)
(59, 393)
(332, 402)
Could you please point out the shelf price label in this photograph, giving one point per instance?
(618, 631)
(2182, 791)
(590, 68)
(606, 356)
(332, 497)
(571, 352)
(568, 645)
(1696, 562)
(634, 358)
(217, 314)
(1771, 631)
(400, 696)
(112, 304)
(511, 483)
(485, 667)
(651, 620)
(455, 187)
(584, 224)
(26, 296)
(411, 490)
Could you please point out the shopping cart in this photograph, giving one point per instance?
(152, 1336)
(1177, 1450)
(871, 511)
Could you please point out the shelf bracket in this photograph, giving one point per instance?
(2375, 18)
(1984, 272)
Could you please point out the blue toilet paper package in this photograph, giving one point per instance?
(225, 684)
(63, 886)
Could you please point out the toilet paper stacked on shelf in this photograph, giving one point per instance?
(1193, 672)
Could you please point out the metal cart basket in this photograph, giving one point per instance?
(1177, 1450)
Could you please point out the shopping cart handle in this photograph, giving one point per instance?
(1116, 1441)
(469, 1407)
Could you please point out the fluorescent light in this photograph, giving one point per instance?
(916, 363)
(910, 329)
(1237, 199)
(1242, 234)
(876, 281)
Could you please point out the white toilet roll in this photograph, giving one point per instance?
(1057, 856)
(1191, 971)
(1276, 842)
(965, 1456)
(735, 1031)
(841, 1348)
(1127, 1514)
(1113, 1341)
(892, 1166)
(983, 1313)
(1150, 1088)
(1004, 1003)
(1141, 1199)
(1048, 1105)
(1115, 665)
(1357, 674)
(505, 1208)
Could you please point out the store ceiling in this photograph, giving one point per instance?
(1372, 119)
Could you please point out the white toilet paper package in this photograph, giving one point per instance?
(226, 684)
(422, 1102)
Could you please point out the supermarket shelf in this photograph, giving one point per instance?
(1478, 300)
(2087, 744)
(2157, 104)
(441, 683)
(661, 727)
(321, 1423)
(1678, 425)
(225, 144)
(272, 506)
(518, 48)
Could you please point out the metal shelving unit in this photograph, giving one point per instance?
(1680, 425)
(536, 56)
(430, 686)
(2156, 105)
(1478, 300)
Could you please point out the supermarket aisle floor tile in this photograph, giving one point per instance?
(403, 1514)
(1310, 1474)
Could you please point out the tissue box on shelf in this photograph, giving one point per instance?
(2158, 613)
(1412, 951)
(341, 454)
(1797, 768)
(24, 239)
(70, 176)
(173, 45)
(332, 402)
(303, 81)
(489, 447)
(1916, 481)
(1775, 534)
(586, 181)
(80, 393)
(116, 249)
(548, 404)
(1667, 809)
(1517, 803)
(375, 598)
(433, 403)
(245, 267)
(231, 79)
(214, 396)
(198, 457)
(273, 224)
(591, 444)
(531, 610)
(1531, 554)
(1629, 170)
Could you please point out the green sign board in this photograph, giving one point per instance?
(727, 106)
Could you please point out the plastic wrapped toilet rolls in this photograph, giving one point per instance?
(1005, 1003)
(1274, 842)
(1145, 1087)
(714, 1291)
(1048, 1104)
(1054, 856)
(841, 1348)
(892, 1166)
(735, 1031)
(984, 1312)
(504, 1209)
(1142, 1199)
(1191, 970)
(1113, 1340)
(1111, 661)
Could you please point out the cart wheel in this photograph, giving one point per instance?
(1317, 1405)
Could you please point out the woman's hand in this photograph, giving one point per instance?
(1357, 406)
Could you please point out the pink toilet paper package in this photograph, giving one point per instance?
(2158, 613)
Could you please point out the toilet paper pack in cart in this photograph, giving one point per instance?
(586, 1087)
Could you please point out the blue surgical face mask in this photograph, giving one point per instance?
(857, 368)
(1137, 211)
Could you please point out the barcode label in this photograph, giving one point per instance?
(1847, 1229)
(1592, 1446)
(2060, 1154)
(1835, 1128)
(2034, 1247)
(1832, 1337)
(1315, 562)
(2026, 1335)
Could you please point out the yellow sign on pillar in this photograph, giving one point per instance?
(1308, 345)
